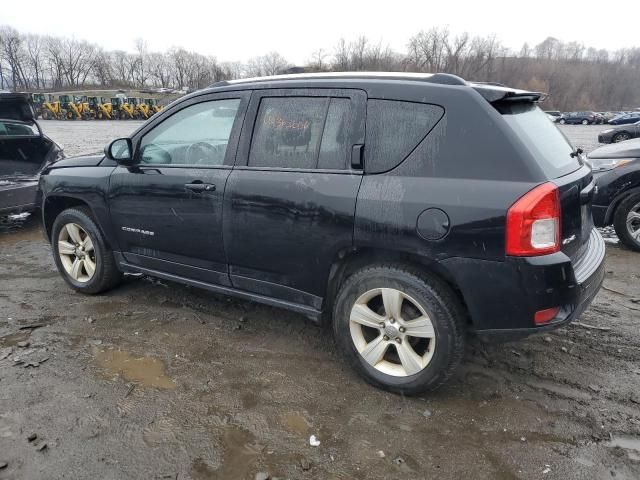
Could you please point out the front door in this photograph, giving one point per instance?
(167, 207)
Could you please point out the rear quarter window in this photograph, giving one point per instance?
(541, 137)
(394, 129)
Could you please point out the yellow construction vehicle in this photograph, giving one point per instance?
(101, 109)
(82, 103)
(141, 109)
(152, 103)
(121, 109)
(71, 109)
(52, 109)
(37, 102)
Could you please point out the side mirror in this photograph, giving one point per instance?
(120, 150)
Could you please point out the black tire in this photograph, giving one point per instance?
(585, 122)
(620, 137)
(106, 275)
(440, 303)
(620, 221)
(562, 121)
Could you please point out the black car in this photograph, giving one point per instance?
(575, 118)
(24, 152)
(374, 202)
(625, 119)
(617, 199)
(620, 133)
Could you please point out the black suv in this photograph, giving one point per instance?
(404, 209)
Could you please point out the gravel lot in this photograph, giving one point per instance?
(158, 380)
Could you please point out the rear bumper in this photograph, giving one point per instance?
(503, 297)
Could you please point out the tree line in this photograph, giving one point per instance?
(575, 76)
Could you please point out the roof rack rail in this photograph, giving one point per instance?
(440, 78)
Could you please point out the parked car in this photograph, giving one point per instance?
(616, 169)
(600, 118)
(574, 118)
(620, 133)
(625, 118)
(371, 201)
(24, 152)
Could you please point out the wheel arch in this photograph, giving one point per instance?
(349, 261)
(55, 204)
(615, 203)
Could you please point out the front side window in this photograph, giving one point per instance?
(302, 132)
(196, 135)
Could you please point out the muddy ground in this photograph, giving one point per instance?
(158, 380)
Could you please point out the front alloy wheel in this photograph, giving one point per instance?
(81, 252)
(392, 332)
(76, 252)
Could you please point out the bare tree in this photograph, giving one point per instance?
(141, 49)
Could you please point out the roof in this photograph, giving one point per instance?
(491, 91)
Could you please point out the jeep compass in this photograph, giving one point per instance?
(404, 210)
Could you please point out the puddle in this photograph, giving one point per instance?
(628, 442)
(238, 461)
(295, 423)
(13, 339)
(15, 228)
(145, 371)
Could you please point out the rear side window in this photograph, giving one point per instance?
(542, 138)
(394, 129)
(302, 132)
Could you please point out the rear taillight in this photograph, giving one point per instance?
(533, 223)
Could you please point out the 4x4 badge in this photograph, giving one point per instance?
(566, 241)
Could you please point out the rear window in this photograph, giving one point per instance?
(394, 129)
(541, 137)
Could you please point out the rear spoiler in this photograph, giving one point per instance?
(496, 92)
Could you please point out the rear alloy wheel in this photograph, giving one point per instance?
(626, 221)
(585, 122)
(620, 137)
(401, 329)
(81, 254)
(401, 341)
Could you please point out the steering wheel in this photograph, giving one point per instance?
(202, 153)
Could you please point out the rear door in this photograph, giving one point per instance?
(167, 207)
(555, 156)
(290, 200)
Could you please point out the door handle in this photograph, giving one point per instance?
(200, 187)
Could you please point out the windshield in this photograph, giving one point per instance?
(543, 139)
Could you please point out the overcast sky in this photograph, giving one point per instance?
(238, 30)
